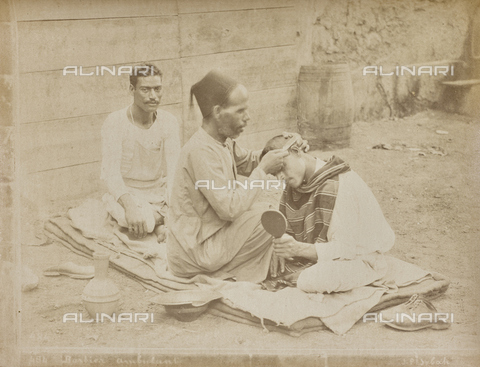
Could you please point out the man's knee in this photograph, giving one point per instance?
(340, 275)
(322, 277)
(183, 269)
(211, 259)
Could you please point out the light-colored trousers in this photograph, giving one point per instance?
(241, 248)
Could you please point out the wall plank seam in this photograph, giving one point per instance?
(73, 165)
(93, 19)
(88, 115)
(85, 67)
(235, 10)
(241, 50)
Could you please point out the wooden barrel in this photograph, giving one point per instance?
(325, 105)
(475, 34)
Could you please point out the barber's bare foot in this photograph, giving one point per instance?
(161, 233)
(159, 219)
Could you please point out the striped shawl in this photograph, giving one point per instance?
(309, 208)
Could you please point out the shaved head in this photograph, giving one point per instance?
(277, 142)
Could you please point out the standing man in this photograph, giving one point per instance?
(140, 147)
(218, 231)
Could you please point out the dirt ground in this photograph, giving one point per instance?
(431, 201)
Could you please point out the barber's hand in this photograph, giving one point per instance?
(303, 144)
(137, 225)
(272, 162)
(285, 247)
(274, 265)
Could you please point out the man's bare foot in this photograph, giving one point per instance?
(159, 219)
(161, 233)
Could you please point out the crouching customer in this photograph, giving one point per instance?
(334, 221)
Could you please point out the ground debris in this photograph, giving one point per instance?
(421, 151)
(437, 151)
(94, 337)
(383, 146)
(411, 256)
(240, 340)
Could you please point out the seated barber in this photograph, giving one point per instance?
(334, 221)
(140, 147)
(214, 227)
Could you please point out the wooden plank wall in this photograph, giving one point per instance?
(61, 116)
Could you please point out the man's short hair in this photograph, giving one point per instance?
(142, 71)
(277, 142)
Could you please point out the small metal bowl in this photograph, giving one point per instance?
(185, 313)
(186, 305)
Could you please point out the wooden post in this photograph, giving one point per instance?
(9, 212)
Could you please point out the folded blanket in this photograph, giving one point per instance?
(428, 289)
(144, 260)
(339, 311)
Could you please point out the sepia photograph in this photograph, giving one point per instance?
(208, 183)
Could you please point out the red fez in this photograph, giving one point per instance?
(212, 90)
